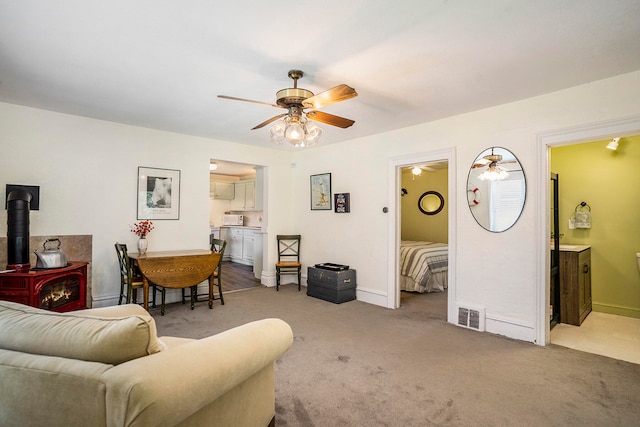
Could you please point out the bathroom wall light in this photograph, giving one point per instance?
(613, 145)
(213, 166)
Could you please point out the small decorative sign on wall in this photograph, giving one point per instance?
(341, 202)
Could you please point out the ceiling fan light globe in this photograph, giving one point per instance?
(294, 133)
(310, 142)
(276, 132)
(312, 133)
(493, 173)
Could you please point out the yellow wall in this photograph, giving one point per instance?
(415, 224)
(609, 182)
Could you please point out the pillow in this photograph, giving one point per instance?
(77, 336)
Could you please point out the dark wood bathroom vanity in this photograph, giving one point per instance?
(575, 283)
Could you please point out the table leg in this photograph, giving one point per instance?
(145, 292)
(211, 291)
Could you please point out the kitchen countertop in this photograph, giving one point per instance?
(237, 226)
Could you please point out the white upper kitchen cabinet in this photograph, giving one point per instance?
(222, 190)
(245, 196)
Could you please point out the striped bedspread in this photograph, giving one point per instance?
(419, 260)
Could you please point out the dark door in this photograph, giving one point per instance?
(555, 253)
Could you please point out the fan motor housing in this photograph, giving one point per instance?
(292, 96)
(493, 157)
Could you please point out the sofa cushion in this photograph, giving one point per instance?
(75, 335)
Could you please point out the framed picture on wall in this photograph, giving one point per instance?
(341, 202)
(158, 193)
(321, 192)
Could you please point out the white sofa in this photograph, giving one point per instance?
(107, 367)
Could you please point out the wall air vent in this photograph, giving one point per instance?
(471, 317)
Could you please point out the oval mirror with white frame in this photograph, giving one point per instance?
(496, 189)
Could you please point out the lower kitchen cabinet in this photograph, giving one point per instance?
(240, 245)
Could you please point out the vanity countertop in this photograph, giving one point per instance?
(573, 248)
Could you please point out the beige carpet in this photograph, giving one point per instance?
(355, 364)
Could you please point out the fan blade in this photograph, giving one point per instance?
(329, 119)
(266, 122)
(331, 96)
(248, 100)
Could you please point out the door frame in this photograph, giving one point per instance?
(619, 127)
(394, 220)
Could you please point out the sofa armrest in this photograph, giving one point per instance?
(167, 387)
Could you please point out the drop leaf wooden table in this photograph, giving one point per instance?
(177, 270)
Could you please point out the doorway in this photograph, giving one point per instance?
(423, 238)
(446, 157)
(581, 134)
(238, 213)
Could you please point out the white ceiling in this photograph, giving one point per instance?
(161, 64)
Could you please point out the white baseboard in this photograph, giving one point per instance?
(171, 295)
(268, 278)
(371, 296)
(510, 328)
(104, 301)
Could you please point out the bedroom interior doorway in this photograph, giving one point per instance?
(437, 175)
(424, 238)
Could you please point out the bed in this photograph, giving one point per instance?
(423, 266)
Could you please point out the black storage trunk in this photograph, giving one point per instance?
(331, 285)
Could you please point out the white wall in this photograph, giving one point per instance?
(87, 173)
(494, 270)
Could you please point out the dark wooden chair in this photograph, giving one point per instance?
(217, 246)
(288, 257)
(129, 282)
(131, 278)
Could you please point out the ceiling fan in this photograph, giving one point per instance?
(417, 169)
(495, 159)
(294, 126)
(493, 171)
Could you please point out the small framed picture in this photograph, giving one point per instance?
(321, 192)
(341, 202)
(158, 193)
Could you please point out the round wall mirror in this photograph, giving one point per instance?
(496, 189)
(431, 202)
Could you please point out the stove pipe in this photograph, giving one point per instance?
(18, 205)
